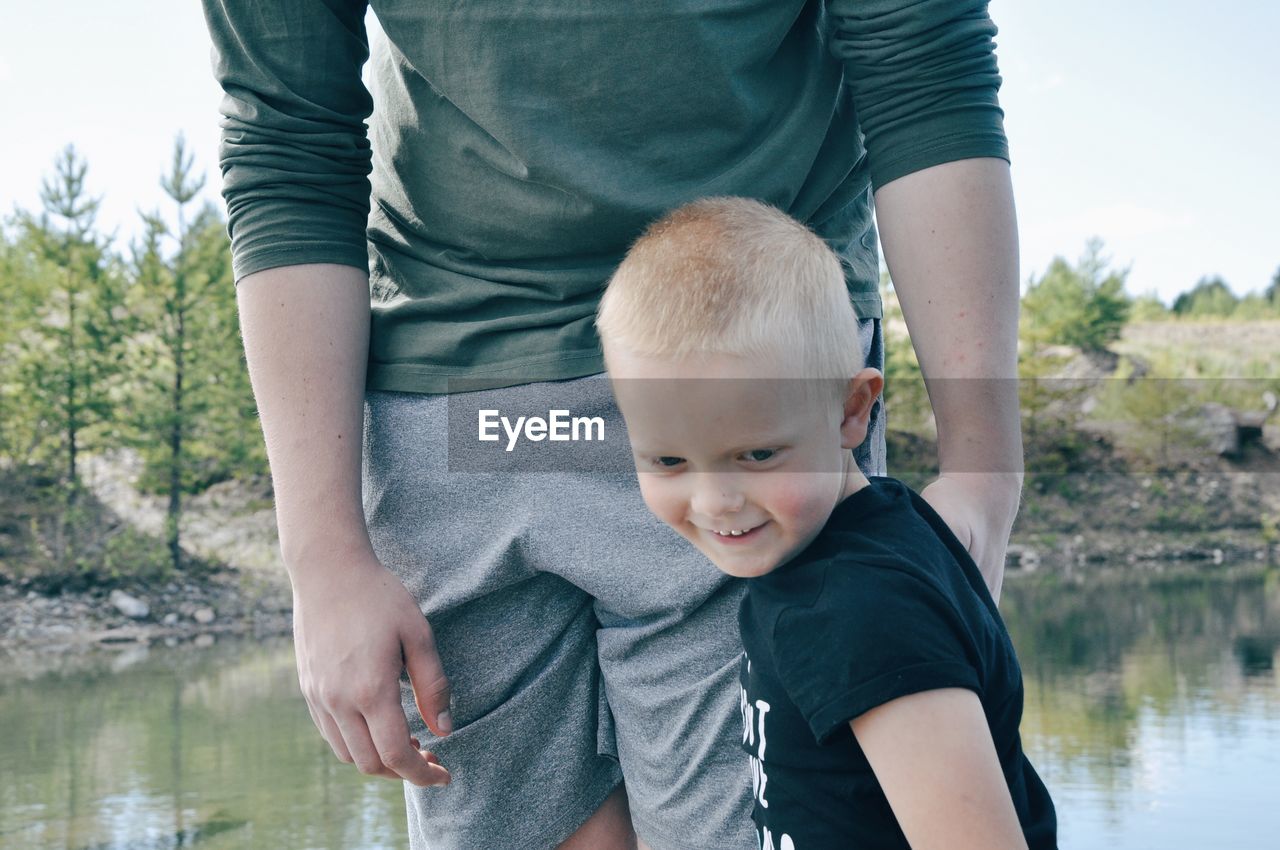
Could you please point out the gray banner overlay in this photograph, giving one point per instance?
(1069, 426)
(532, 428)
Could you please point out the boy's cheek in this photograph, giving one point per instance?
(659, 502)
(799, 502)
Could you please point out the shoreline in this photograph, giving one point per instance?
(1109, 525)
(197, 611)
(33, 624)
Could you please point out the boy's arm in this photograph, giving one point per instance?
(933, 755)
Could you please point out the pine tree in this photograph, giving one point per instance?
(171, 295)
(1209, 297)
(70, 336)
(72, 357)
(19, 288)
(226, 443)
(1084, 306)
(192, 387)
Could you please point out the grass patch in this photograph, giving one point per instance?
(55, 539)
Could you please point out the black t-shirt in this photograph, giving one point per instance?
(884, 603)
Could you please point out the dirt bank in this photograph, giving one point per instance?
(1221, 515)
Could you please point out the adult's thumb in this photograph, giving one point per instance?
(430, 685)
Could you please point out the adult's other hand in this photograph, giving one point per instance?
(980, 509)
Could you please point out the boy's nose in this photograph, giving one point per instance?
(716, 497)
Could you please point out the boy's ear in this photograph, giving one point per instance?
(864, 389)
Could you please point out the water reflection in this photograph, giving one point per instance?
(179, 748)
(1153, 707)
(1153, 713)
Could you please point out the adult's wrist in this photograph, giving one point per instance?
(316, 560)
(998, 493)
(324, 544)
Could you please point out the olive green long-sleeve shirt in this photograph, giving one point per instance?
(517, 147)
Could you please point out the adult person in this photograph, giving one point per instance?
(517, 148)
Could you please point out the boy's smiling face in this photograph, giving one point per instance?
(747, 469)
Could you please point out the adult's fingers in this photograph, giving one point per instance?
(429, 756)
(426, 675)
(398, 751)
(332, 735)
(355, 732)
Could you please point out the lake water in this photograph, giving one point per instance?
(1153, 714)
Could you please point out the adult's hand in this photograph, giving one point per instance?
(355, 628)
(979, 508)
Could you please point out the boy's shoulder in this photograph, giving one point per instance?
(885, 509)
(893, 527)
(883, 526)
(880, 607)
(880, 543)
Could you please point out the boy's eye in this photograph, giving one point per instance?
(667, 461)
(760, 455)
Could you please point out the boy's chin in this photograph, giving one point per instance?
(743, 568)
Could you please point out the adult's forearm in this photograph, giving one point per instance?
(306, 336)
(950, 240)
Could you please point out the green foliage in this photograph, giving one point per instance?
(1148, 308)
(55, 544)
(189, 395)
(1153, 415)
(1252, 307)
(1209, 297)
(62, 551)
(98, 353)
(219, 434)
(1050, 406)
(227, 442)
(1212, 298)
(1084, 306)
(130, 557)
(20, 430)
(1158, 415)
(1270, 525)
(69, 339)
(1080, 307)
(906, 400)
(200, 330)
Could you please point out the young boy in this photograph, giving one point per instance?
(880, 693)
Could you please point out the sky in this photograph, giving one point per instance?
(1153, 125)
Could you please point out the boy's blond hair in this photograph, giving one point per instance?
(733, 276)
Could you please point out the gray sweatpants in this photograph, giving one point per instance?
(584, 640)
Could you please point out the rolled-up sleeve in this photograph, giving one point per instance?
(923, 78)
(294, 150)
